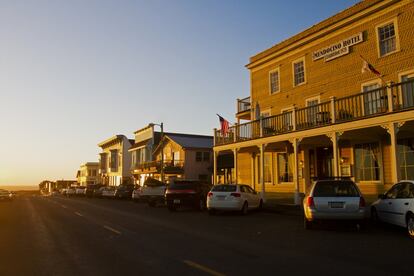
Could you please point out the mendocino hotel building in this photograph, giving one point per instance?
(334, 100)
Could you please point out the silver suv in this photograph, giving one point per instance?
(334, 199)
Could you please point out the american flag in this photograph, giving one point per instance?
(224, 125)
(366, 66)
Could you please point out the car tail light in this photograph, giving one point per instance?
(236, 194)
(310, 202)
(210, 194)
(362, 202)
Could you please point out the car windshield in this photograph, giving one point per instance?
(153, 182)
(224, 188)
(335, 189)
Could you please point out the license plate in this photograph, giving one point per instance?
(176, 201)
(221, 197)
(336, 204)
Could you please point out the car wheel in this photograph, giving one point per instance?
(245, 208)
(171, 208)
(260, 205)
(201, 205)
(307, 224)
(410, 226)
(374, 216)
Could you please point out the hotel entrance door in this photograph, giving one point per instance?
(324, 162)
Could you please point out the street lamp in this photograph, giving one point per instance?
(161, 125)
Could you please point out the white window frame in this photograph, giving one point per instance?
(278, 81)
(397, 38)
(369, 83)
(302, 59)
(408, 73)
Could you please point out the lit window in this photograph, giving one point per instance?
(367, 162)
(274, 82)
(285, 163)
(299, 72)
(387, 39)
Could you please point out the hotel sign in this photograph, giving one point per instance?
(338, 49)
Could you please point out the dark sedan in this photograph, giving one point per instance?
(90, 189)
(124, 191)
(192, 193)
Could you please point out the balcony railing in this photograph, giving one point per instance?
(392, 98)
(169, 166)
(243, 105)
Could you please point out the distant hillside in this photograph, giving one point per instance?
(19, 188)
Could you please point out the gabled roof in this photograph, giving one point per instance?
(139, 144)
(189, 140)
(351, 11)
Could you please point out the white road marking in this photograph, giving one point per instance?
(79, 214)
(112, 229)
(64, 206)
(203, 268)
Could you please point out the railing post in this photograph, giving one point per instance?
(238, 105)
(294, 118)
(214, 167)
(235, 132)
(215, 137)
(390, 97)
(261, 125)
(333, 111)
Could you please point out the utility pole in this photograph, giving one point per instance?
(162, 152)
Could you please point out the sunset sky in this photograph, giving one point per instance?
(74, 73)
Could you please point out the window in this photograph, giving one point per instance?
(274, 81)
(367, 162)
(312, 111)
(298, 72)
(206, 156)
(405, 150)
(387, 39)
(407, 90)
(374, 98)
(285, 167)
(268, 167)
(199, 156)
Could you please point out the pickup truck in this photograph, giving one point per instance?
(153, 192)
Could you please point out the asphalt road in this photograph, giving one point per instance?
(80, 236)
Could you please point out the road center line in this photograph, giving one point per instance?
(79, 214)
(112, 229)
(203, 268)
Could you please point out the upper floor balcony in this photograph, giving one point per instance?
(243, 109)
(395, 97)
(170, 166)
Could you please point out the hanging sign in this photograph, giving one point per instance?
(338, 49)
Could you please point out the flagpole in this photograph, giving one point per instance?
(380, 76)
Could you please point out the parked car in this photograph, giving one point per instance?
(396, 206)
(5, 195)
(98, 192)
(136, 194)
(334, 199)
(153, 192)
(192, 193)
(233, 197)
(80, 190)
(90, 189)
(108, 192)
(124, 191)
(71, 191)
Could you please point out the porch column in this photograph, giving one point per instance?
(214, 167)
(236, 170)
(334, 140)
(295, 143)
(393, 130)
(262, 179)
(253, 169)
